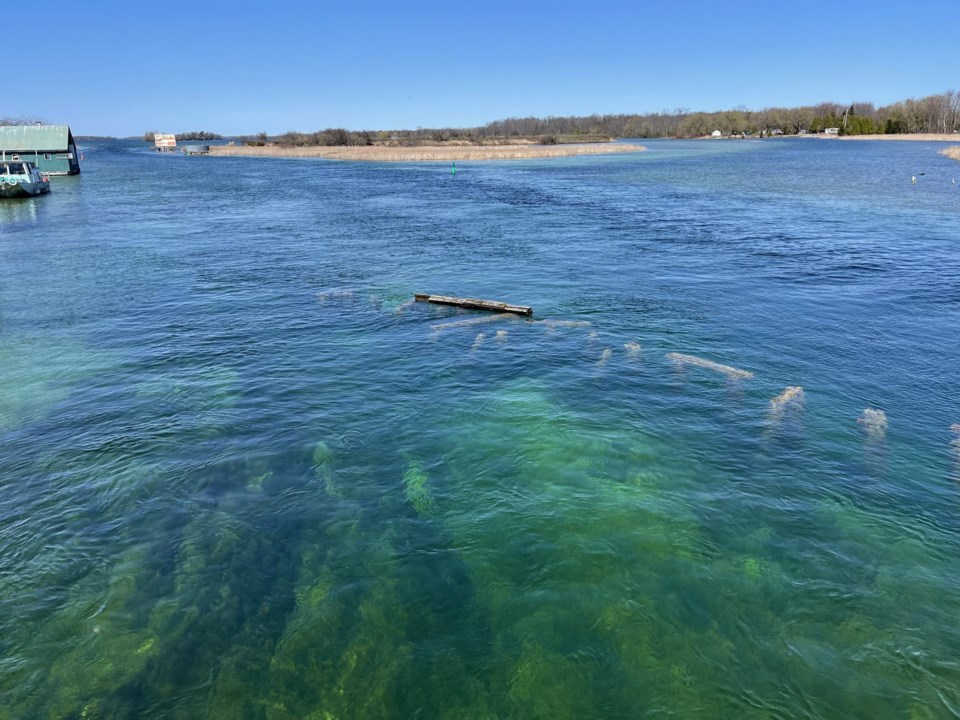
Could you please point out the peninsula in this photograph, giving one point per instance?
(932, 118)
(952, 152)
(426, 153)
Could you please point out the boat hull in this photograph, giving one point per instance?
(23, 189)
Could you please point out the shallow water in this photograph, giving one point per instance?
(242, 476)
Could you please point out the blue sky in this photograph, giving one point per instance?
(120, 68)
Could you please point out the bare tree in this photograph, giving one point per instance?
(22, 120)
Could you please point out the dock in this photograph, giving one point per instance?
(475, 304)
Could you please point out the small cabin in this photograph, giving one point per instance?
(831, 131)
(716, 133)
(50, 147)
(165, 142)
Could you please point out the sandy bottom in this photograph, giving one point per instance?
(428, 153)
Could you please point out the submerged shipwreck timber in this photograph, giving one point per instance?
(787, 403)
(874, 422)
(551, 324)
(730, 372)
(480, 320)
(793, 395)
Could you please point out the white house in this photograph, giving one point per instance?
(716, 133)
(831, 131)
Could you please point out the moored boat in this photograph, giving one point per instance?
(22, 179)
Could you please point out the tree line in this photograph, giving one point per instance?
(932, 114)
(22, 120)
(150, 135)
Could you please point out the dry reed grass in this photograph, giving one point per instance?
(952, 152)
(447, 153)
(730, 372)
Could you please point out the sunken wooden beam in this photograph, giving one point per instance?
(474, 304)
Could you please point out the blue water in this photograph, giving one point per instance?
(242, 476)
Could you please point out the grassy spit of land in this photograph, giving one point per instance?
(952, 152)
(424, 153)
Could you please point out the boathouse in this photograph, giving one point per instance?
(50, 147)
(165, 142)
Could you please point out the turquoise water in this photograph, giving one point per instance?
(242, 477)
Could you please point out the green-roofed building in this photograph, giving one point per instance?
(50, 147)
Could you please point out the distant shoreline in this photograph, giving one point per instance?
(426, 153)
(924, 137)
(916, 137)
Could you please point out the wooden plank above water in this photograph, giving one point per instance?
(475, 304)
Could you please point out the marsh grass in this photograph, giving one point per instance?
(448, 153)
(952, 152)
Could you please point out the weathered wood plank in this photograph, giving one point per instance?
(475, 304)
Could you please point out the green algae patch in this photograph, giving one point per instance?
(752, 568)
(39, 374)
(417, 491)
(355, 652)
(550, 685)
(255, 484)
(197, 400)
(323, 471)
(101, 645)
(568, 537)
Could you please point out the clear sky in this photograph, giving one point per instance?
(121, 68)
